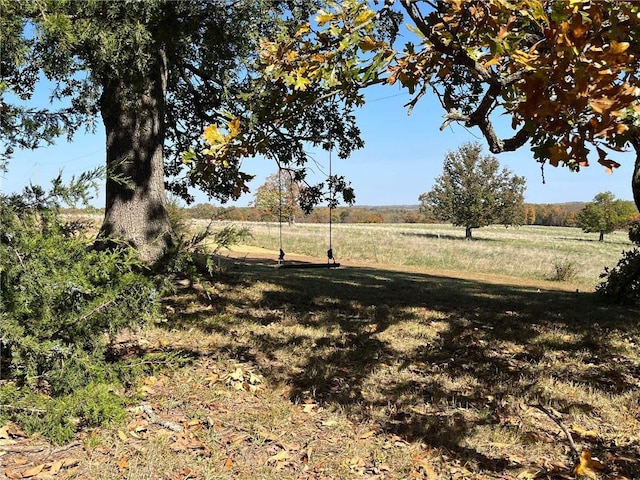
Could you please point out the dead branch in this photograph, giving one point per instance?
(153, 418)
(572, 445)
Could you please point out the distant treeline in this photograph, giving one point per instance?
(558, 214)
(550, 214)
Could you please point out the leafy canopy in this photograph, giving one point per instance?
(473, 193)
(605, 214)
(213, 85)
(565, 73)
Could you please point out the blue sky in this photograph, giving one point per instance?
(402, 156)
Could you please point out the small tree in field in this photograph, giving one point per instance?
(605, 214)
(279, 196)
(473, 193)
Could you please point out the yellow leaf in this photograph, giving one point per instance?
(367, 44)
(364, 16)
(212, 135)
(278, 457)
(492, 61)
(227, 464)
(586, 466)
(587, 434)
(323, 17)
(122, 435)
(618, 47)
(368, 434)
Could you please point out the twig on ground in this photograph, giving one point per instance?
(174, 427)
(572, 445)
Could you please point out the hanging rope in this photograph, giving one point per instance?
(331, 202)
(281, 255)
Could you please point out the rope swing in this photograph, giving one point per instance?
(331, 261)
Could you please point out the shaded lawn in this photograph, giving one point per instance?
(364, 372)
(449, 362)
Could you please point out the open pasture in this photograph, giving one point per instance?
(527, 252)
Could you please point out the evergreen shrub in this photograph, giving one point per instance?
(622, 282)
(60, 304)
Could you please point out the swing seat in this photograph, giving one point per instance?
(308, 265)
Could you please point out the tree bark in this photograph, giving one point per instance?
(135, 210)
(635, 179)
(467, 233)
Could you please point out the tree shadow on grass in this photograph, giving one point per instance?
(429, 358)
(445, 236)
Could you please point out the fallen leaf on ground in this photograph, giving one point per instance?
(123, 463)
(12, 473)
(278, 457)
(33, 471)
(586, 434)
(586, 466)
(55, 467)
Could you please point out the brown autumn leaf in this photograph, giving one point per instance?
(602, 104)
(33, 471)
(70, 462)
(228, 464)
(12, 473)
(55, 467)
(123, 463)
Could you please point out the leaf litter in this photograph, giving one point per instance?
(241, 413)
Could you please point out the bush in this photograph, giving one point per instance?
(193, 252)
(60, 304)
(564, 270)
(622, 283)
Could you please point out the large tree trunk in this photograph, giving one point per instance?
(133, 117)
(635, 179)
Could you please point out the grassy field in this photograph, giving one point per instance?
(424, 357)
(528, 252)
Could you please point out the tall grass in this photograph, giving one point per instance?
(529, 252)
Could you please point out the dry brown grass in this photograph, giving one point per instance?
(377, 373)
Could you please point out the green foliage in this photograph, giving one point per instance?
(61, 301)
(60, 417)
(472, 193)
(605, 214)
(209, 50)
(279, 196)
(622, 282)
(192, 253)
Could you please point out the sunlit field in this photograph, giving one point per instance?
(528, 252)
